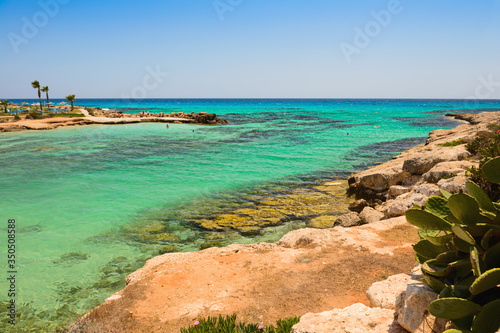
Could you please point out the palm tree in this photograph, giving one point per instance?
(36, 85)
(46, 91)
(4, 103)
(71, 99)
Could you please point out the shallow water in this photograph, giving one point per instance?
(82, 196)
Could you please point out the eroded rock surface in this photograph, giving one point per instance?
(357, 318)
(308, 270)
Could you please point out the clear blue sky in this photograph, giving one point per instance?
(251, 48)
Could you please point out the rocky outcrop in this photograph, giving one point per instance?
(425, 161)
(358, 205)
(397, 304)
(383, 294)
(379, 178)
(308, 270)
(446, 170)
(193, 117)
(454, 184)
(370, 215)
(348, 220)
(418, 173)
(357, 318)
(412, 309)
(110, 117)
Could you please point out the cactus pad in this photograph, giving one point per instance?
(465, 208)
(486, 281)
(426, 220)
(453, 308)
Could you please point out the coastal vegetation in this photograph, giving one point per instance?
(45, 89)
(487, 146)
(453, 143)
(71, 99)
(228, 325)
(36, 85)
(460, 254)
(4, 103)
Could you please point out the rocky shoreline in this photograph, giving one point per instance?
(363, 268)
(93, 116)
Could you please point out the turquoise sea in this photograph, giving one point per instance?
(81, 195)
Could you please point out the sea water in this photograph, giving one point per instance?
(79, 195)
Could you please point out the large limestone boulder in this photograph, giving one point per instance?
(383, 294)
(425, 161)
(379, 179)
(370, 215)
(427, 190)
(401, 204)
(412, 309)
(357, 318)
(397, 190)
(454, 184)
(348, 220)
(445, 169)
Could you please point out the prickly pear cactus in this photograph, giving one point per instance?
(460, 254)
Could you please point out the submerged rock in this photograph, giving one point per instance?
(322, 222)
(71, 258)
(168, 249)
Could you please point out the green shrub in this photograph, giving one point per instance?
(486, 145)
(229, 325)
(453, 143)
(16, 117)
(460, 254)
(34, 115)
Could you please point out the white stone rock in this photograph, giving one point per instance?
(411, 180)
(383, 294)
(443, 169)
(397, 190)
(348, 220)
(357, 318)
(427, 190)
(370, 215)
(425, 161)
(401, 204)
(454, 184)
(380, 179)
(112, 298)
(412, 309)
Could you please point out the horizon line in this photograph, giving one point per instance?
(266, 98)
